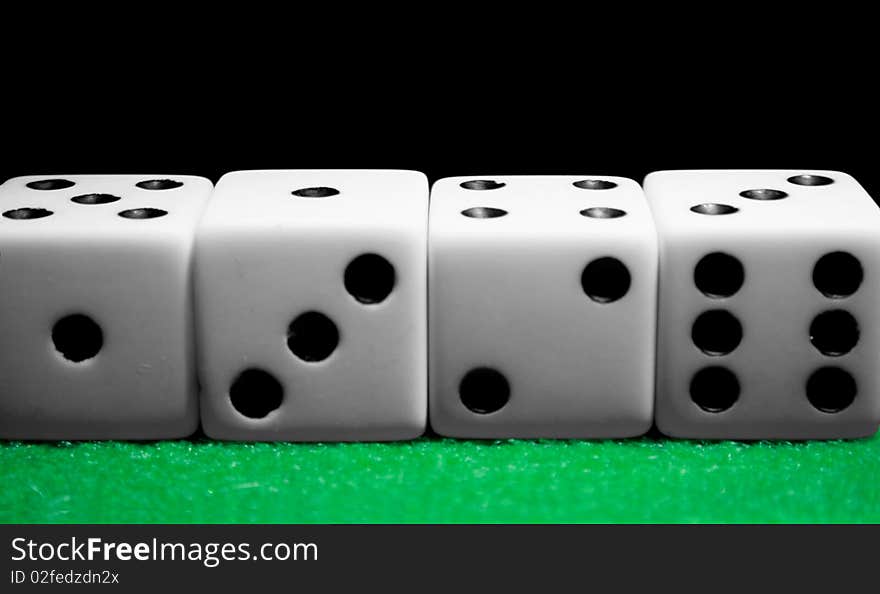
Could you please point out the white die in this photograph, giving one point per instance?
(542, 307)
(768, 306)
(311, 303)
(96, 314)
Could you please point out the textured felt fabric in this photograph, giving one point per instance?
(439, 480)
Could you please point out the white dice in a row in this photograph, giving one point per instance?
(331, 305)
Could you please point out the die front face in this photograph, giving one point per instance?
(768, 304)
(311, 300)
(96, 315)
(542, 307)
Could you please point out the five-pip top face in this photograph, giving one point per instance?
(82, 203)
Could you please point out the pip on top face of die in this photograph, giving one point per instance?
(96, 314)
(768, 306)
(311, 301)
(542, 307)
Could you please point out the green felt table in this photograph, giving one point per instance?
(441, 480)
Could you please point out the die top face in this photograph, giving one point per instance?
(317, 199)
(760, 202)
(101, 206)
(487, 207)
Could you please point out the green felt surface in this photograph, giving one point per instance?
(439, 480)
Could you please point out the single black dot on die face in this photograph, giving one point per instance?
(834, 333)
(159, 184)
(95, 199)
(482, 184)
(143, 213)
(838, 275)
(484, 390)
(831, 389)
(603, 212)
(717, 332)
(714, 209)
(25, 214)
(605, 280)
(316, 192)
(714, 389)
(484, 212)
(594, 184)
(369, 278)
(256, 393)
(312, 337)
(50, 184)
(77, 337)
(763, 194)
(810, 180)
(719, 275)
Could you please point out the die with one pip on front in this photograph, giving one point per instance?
(96, 311)
(768, 304)
(542, 307)
(311, 300)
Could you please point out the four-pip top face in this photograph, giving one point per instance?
(338, 305)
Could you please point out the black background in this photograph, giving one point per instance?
(488, 135)
(547, 94)
(462, 142)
